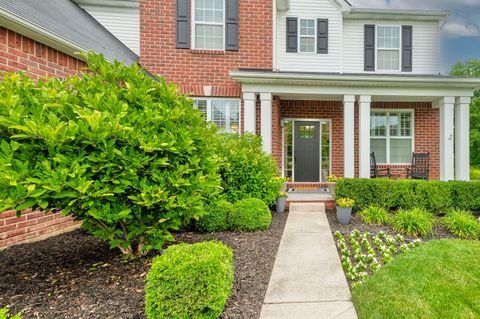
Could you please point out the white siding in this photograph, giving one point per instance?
(124, 23)
(310, 62)
(426, 45)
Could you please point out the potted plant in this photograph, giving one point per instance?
(344, 210)
(332, 183)
(281, 202)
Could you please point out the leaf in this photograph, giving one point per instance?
(27, 204)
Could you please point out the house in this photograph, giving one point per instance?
(324, 83)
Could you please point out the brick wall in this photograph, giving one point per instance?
(20, 53)
(427, 130)
(194, 69)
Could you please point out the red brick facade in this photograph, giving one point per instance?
(194, 69)
(20, 53)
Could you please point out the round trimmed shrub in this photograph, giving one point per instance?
(249, 215)
(190, 281)
(216, 218)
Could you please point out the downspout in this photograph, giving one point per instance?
(274, 35)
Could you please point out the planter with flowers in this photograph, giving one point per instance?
(344, 210)
(332, 183)
(281, 202)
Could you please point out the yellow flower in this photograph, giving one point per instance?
(345, 202)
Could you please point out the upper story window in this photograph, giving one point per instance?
(388, 48)
(225, 113)
(208, 29)
(307, 35)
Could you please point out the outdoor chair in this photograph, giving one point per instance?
(376, 172)
(420, 168)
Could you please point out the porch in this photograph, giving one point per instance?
(316, 125)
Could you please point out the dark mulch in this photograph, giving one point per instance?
(439, 231)
(77, 276)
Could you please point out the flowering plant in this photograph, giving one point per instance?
(333, 178)
(283, 194)
(345, 202)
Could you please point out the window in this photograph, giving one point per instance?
(307, 35)
(225, 113)
(307, 132)
(209, 24)
(391, 136)
(388, 48)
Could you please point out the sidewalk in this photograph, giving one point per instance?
(307, 281)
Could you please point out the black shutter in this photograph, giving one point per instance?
(369, 47)
(182, 24)
(407, 32)
(231, 25)
(292, 37)
(322, 36)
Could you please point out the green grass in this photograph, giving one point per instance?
(440, 279)
(475, 173)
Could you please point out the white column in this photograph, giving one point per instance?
(349, 136)
(462, 138)
(266, 121)
(446, 138)
(249, 116)
(364, 136)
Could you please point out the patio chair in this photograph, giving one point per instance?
(376, 172)
(420, 168)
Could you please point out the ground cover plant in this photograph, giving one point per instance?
(364, 253)
(462, 224)
(190, 281)
(374, 215)
(5, 314)
(439, 279)
(250, 214)
(114, 148)
(413, 222)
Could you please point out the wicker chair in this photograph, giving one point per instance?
(420, 168)
(376, 172)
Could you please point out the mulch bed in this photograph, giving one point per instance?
(77, 276)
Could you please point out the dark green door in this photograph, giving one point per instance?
(307, 151)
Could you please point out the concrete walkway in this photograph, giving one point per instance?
(307, 281)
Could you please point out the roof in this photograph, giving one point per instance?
(63, 25)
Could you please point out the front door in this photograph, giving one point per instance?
(307, 151)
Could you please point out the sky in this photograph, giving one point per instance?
(460, 35)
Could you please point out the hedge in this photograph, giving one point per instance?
(433, 196)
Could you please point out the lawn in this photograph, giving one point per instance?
(475, 173)
(440, 279)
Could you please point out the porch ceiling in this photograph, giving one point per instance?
(375, 98)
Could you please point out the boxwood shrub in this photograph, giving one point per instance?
(250, 214)
(189, 281)
(216, 218)
(433, 196)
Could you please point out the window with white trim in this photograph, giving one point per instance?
(307, 35)
(391, 136)
(225, 113)
(208, 26)
(388, 48)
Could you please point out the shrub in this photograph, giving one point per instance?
(216, 218)
(4, 314)
(374, 215)
(433, 196)
(189, 281)
(413, 222)
(247, 172)
(462, 224)
(114, 148)
(249, 215)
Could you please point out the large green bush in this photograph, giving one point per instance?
(216, 218)
(189, 281)
(433, 196)
(247, 172)
(250, 214)
(114, 148)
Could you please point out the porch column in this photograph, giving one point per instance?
(249, 116)
(266, 121)
(364, 136)
(349, 136)
(446, 138)
(462, 138)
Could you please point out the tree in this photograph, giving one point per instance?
(114, 148)
(471, 68)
